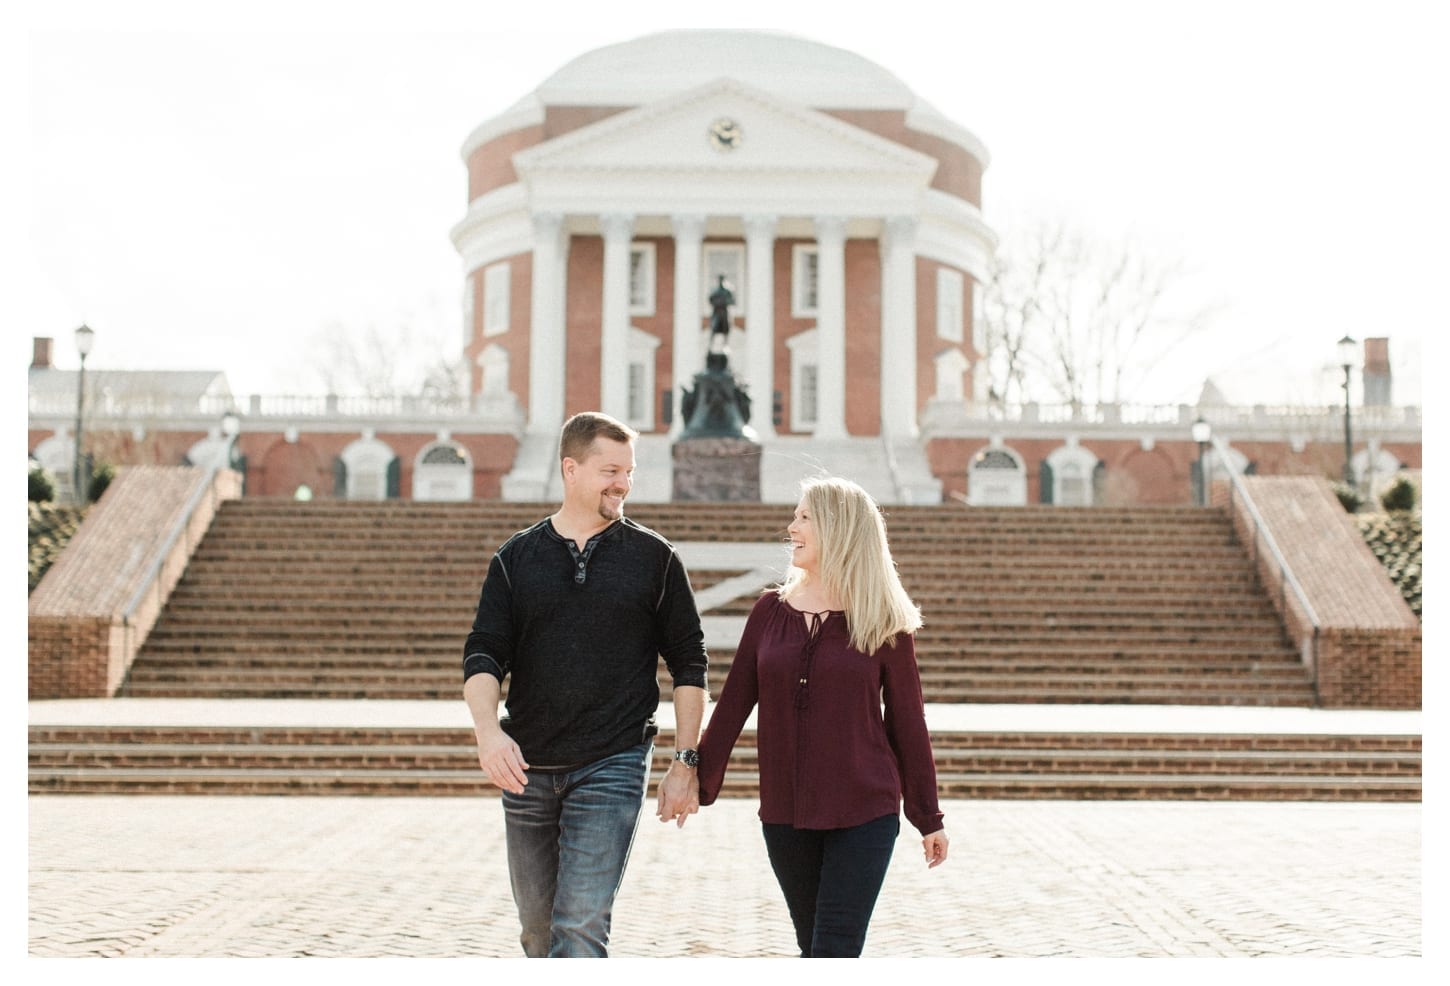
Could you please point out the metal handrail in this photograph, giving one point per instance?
(1286, 574)
(178, 529)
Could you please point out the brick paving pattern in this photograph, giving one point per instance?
(425, 877)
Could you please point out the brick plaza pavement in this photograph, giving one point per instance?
(150, 876)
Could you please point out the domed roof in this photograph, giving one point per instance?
(650, 68)
(807, 72)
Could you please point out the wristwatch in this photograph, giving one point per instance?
(690, 758)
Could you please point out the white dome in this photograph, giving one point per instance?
(653, 67)
(806, 72)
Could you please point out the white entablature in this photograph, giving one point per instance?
(661, 159)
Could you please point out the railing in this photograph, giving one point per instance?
(1308, 643)
(151, 580)
(1307, 421)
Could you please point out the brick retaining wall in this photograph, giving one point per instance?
(1368, 652)
(81, 641)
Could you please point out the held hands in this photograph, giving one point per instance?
(935, 847)
(679, 794)
(502, 760)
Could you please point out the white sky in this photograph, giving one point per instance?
(209, 194)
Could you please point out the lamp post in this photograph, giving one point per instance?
(85, 338)
(1201, 432)
(1347, 353)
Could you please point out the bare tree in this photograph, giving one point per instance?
(372, 362)
(1077, 320)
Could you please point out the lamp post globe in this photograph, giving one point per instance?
(1201, 432)
(85, 339)
(1347, 351)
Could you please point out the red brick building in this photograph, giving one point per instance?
(845, 215)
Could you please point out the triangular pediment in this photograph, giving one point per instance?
(690, 133)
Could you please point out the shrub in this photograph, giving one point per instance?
(1349, 497)
(1396, 540)
(1400, 496)
(51, 527)
(100, 479)
(42, 488)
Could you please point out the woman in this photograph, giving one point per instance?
(820, 654)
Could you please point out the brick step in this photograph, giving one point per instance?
(386, 632)
(464, 756)
(443, 687)
(442, 761)
(951, 786)
(943, 671)
(1207, 743)
(1149, 679)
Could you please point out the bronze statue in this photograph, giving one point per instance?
(720, 301)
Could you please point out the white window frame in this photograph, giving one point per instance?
(494, 362)
(805, 280)
(642, 278)
(805, 362)
(1009, 488)
(1072, 456)
(951, 367)
(949, 314)
(640, 364)
(496, 299)
(733, 269)
(435, 483)
(979, 322)
(367, 461)
(470, 285)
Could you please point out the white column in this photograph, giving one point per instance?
(831, 327)
(898, 327)
(689, 233)
(546, 329)
(760, 319)
(614, 321)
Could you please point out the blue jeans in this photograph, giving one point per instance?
(831, 878)
(569, 836)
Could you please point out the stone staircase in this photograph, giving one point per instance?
(397, 761)
(350, 600)
(1102, 606)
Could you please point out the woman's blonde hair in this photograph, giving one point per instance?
(856, 566)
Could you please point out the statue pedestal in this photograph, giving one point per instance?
(717, 469)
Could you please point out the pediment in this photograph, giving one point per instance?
(774, 137)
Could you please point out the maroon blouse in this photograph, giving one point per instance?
(828, 757)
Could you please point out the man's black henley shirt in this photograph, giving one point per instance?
(579, 635)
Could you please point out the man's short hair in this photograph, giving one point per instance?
(580, 432)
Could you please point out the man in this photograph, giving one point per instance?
(576, 612)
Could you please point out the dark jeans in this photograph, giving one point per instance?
(569, 836)
(831, 878)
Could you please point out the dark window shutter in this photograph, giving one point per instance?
(395, 478)
(1044, 482)
(339, 477)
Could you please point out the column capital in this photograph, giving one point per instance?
(759, 226)
(617, 225)
(901, 227)
(688, 226)
(830, 229)
(547, 223)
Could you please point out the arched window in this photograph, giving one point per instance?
(997, 477)
(366, 464)
(443, 471)
(1069, 476)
